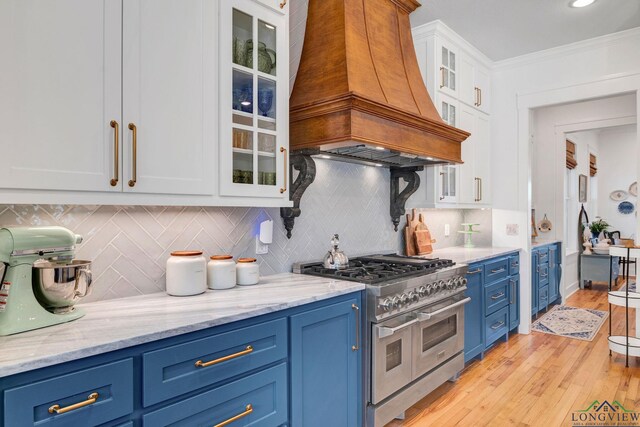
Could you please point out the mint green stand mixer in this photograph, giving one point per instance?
(40, 280)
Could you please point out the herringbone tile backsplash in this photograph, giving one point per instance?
(129, 245)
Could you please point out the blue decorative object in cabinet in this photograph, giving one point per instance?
(302, 365)
(493, 311)
(474, 313)
(326, 362)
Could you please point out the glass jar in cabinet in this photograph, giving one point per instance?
(254, 89)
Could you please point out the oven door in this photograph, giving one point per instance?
(391, 356)
(438, 335)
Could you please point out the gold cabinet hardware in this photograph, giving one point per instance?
(441, 77)
(201, 364)
(477, 96)
(357, 310)
(480, 179)
(477, 197)
(247, 410)
(283, 3)
(116, 153)
(442, 192)
(91, 399)
(286, 169)
(134, 141)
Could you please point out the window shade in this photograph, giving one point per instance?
(593, 168)
(571, 155)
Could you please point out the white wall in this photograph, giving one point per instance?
(616, 171)
(601, 67)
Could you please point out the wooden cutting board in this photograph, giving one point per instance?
(422, 236)
(409, 233)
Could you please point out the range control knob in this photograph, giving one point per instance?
(414, 297)
(403, 299)
(451, 283)
(431, 288)
(385, 304)
(463, 281)
(422, 291)
(441, 285)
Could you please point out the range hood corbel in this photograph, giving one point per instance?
(399, 198)
(306, 168)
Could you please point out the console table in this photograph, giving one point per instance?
(596, 268)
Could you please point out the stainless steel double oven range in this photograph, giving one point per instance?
(414, 336)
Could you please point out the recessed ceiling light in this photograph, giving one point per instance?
(581, 3)
(378, 165)
(324, 156)
(429, 158)
(380, 148)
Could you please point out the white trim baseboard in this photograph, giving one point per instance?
(571, 289)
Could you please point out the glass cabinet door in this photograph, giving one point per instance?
(253, 142)
(448, 69)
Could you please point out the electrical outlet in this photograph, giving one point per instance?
(512, 230)
(261, 248)
(447, 230)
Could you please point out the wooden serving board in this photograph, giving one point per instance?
(423, 238)
(409, 233)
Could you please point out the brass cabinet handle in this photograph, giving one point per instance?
(474, 271)
(480, 196)
(357, 310)
(498, 270)
(91, 399)
(247, 410)
(477, 197)
(286, 169)
(201, 364)
(442, 192)
(475, 89)
(283, 3)
(116, 153)
(480, 99)
(497, 325)
(497, 296)
(512, 299)
(441, 77)
(134, 130)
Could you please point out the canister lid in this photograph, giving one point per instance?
(247, 260)
(221, 257)
(186, 253)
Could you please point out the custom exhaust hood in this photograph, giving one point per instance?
(359, 94)
(359, 97)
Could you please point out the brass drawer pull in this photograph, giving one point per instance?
(286, 169)
(247, 410)
(474, 271)
(116, 153)
(201, 364)
(441, 77)
(283, 3)
(91, 399)
(357, 310)
(512, 295)
(498, 270)
(497, 296)
(134, 131)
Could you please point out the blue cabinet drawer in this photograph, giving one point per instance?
(543, 255)
(543, 298)
(496, 296)
(496, 270)
(496, 325)
(259, 399)
(182, 368)
(106, 390)
(543, 275)
(514, 265)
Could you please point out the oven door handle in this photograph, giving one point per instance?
(386, 331)
(427, 316)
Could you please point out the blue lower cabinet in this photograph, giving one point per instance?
(473, 313)
(181, 368)
(496, 295)
(105, 392)
(129, 424)
(546, 275)
(543, 297)
(514, 302)
(496, 326)
(255, 400)
(326, 363)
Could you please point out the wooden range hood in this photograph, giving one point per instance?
(359, 93)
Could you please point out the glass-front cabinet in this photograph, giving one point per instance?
(448, 60)
(254, 95)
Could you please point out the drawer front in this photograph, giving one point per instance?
(179, 369)
(543, 255)
(543, 298)
(496, 296)
(29, 405)
(129, 424)
(496, 325)
(514, 265)
(259, 399)
(496, 270)
(543, 275)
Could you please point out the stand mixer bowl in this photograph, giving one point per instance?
(61, 285)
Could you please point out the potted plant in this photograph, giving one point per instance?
(597, 227)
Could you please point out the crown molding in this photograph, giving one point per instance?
(564, 50)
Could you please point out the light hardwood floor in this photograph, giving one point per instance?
(536, 379)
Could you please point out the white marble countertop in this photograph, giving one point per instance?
(114, 324)
(462, 255)
(542, 242)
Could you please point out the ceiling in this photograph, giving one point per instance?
(503, 29)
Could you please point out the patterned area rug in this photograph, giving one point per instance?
(571, 322)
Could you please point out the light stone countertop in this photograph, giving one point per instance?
(114, 324)
(462, 255)
(542, 242)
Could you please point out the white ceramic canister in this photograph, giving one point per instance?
(221, 272)
(247, 272)
(186, 273)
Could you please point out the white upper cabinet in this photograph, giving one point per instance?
(475, 173)
(60, 89)
(448, 60)
(280, 6)
(254, 107)
(169, 91)
(475, 89)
